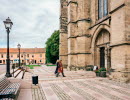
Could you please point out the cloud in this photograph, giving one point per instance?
(34, 21)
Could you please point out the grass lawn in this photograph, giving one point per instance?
(32, 66)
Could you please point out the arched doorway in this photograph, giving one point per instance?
(102, 53)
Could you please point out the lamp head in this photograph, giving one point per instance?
(19, 46)
(8, 23)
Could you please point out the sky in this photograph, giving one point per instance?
(33, 22)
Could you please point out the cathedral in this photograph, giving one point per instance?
(96, 32)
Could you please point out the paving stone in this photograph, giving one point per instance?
(25, 94)
(77, 85)
(59, 92)
(113, 87)
(79, 91)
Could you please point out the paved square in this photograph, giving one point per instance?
(77, 85)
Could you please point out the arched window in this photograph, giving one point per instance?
(102, 8)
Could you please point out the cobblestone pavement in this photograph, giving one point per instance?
(77, 85)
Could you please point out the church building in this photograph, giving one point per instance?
(96, 32)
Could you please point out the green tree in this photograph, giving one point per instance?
(52, 48)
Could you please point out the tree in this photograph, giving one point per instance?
(52, 48)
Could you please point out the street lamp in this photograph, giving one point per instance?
(19, 46)
(8, 25)
(24, 58)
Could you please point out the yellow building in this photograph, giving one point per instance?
(27, 55)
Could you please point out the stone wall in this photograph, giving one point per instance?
(63, 49)
(84, 28)
(78, 49)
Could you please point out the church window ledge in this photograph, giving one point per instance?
(78, 53)
(63, 55)
(100, 21)
(84, 35)
(119, 44)
(87, 20)
(117, 8)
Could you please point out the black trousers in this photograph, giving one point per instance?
(59, 73)
(56, 71)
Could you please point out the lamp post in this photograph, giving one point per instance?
(19, 46)
(8, 25)
(24, 58)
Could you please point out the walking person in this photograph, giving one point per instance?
(60, 69)
(57, 66)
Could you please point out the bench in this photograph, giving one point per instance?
(8, 90)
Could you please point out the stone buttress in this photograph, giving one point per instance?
(63, 49)
(78, 34)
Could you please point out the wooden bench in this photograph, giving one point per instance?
(8, 90)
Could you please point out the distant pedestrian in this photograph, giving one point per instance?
(60, 69)
(57, 66)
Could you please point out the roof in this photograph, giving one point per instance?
(26, 50)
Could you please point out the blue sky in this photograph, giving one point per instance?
(34, 22)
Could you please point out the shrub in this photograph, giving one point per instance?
(97, 71)
(102, 69)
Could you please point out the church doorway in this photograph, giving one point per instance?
(102, 52)
(102, 57)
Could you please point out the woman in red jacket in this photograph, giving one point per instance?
(60, 69)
